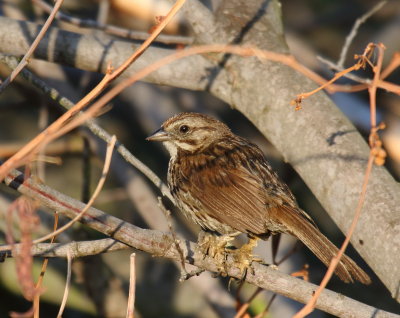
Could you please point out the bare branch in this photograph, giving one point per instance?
(334, 173)
(94, 52)
(77, 249)
(33, 47)
(67, 285)
(354, 30)
(161, 244)
(132, 284)
(114, 30)
(91, 124)
(110, 148)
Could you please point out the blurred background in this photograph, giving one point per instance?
(100, 283)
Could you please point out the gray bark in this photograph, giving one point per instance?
(93, 52)
(262, 91)
(334, 171)
(161, 244)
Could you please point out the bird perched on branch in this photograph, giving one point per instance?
(224, 183)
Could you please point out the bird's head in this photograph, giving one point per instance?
(190, 132)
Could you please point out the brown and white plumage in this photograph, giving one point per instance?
(224, 183)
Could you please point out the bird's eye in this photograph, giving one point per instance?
(184, 129)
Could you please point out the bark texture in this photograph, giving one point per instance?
(319, 141)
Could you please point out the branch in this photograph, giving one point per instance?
(93, 52)
(61, 125)
(262, 91)
(97, 130)
(354, 30)
(77, 249)
(220, 299)
(33, 46)
(162, 244)
(114, 30)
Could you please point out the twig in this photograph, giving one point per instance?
(167, 214)
(100, 184)
(92, 125)
(159, 244)
(362, 60)
(130, 312)
(264, 312)
(26, 209)
(114, 30)
(335, 67)
(354, 30)
(335, 260)
(372, 88)
(67, 285)
(394, 63)
(36, 300)
(27, 56)
(242, 51)
(243, 308)
(55, 128)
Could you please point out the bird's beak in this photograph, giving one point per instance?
(159, 135)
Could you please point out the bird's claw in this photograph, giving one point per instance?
(219, 249)
(244, 258)
(215, 247)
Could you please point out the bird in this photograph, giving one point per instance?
(224, 183)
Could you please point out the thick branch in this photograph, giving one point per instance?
(161, 244)
(93, 52)
(319, 141)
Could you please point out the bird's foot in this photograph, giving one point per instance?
(244, 257)
(219, 249)
(215, 247)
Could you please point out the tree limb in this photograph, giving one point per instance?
(161, 244)
(319, 141)
(333, 170)
(93, 52)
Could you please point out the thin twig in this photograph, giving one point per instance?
(335, 260)
(67, 285)
(159, 244)
(54, 130)
(36, 300)
(354, 30)
(394, 63)
(373, 88)
(100, 184)
(167, 214)
(351, 76)
(114, 30)
(362, 60)
(91, 124)
(243, 308)
(265, 311)
(32, 48)
(222, 48)
(130, 312)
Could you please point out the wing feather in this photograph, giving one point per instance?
(231, 196)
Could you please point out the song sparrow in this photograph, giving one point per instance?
(224, 183)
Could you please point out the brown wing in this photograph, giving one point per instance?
(234, 185)
(231, 196)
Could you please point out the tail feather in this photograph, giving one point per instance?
(300, 226)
